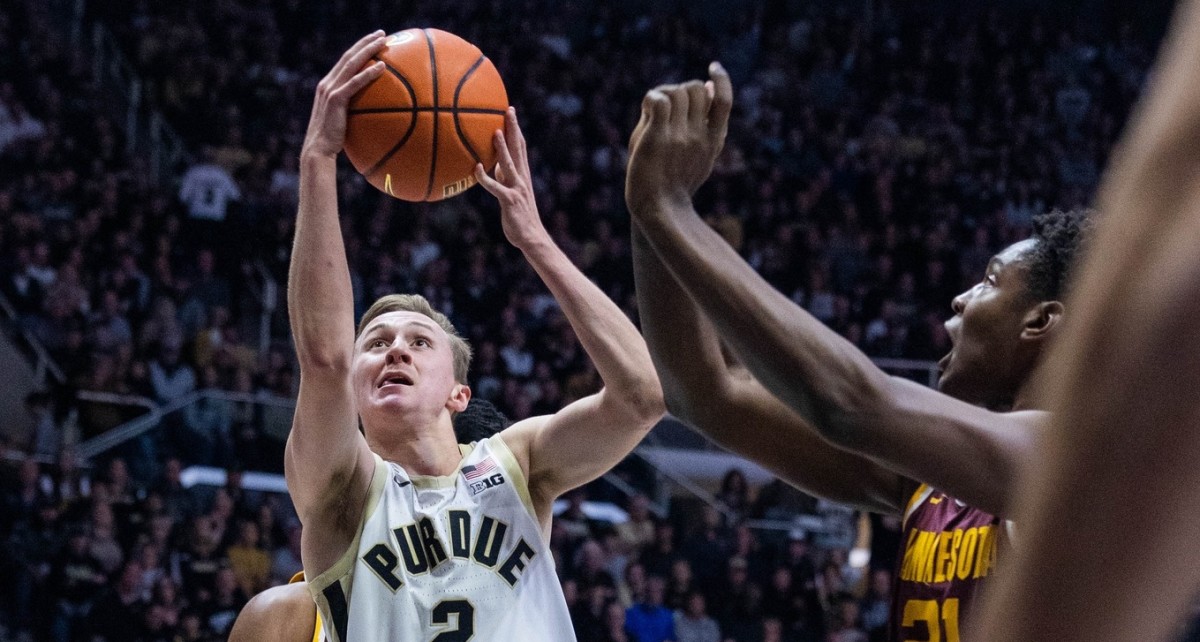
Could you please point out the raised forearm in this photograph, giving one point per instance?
(817, 373)
(683, 345)
(608, 336)
(320, 303)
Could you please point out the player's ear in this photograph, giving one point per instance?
(460, 396)
(1042, 319)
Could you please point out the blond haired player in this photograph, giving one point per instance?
(407, 536)
(287, 613)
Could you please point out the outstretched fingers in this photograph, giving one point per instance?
(493, 186)
(360, 80)
(357, 56)
(722, 100)
(515, 138)
(505, 165)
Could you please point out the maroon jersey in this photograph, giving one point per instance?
(949, 549)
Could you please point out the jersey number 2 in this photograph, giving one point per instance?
(464, 621)
(927, 611)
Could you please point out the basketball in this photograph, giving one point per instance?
(418, 130)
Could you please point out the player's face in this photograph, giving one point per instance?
(403, 364)
(988, 361)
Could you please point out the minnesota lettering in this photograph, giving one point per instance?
(935, 557)
(421, 550)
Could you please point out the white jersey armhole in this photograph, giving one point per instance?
(513, 469)
(342, 569)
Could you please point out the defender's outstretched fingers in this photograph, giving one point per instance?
(679, 105)
(722, 102)
(699, 102)
(657, 106)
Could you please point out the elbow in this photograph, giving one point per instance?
(642, 404)
(646, 404)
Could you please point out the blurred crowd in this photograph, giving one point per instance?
(874, 163)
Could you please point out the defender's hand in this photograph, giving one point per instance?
(675, 144)
(513, 186)
(327, 126)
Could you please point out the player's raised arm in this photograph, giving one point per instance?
(1108, 534)
(327, 462)
(970, 452)
(585, 439)
(733, 409)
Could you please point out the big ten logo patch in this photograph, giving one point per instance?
(484, 484)
(483, 475)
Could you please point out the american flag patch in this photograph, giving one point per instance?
(479, 470)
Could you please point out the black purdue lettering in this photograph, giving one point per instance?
(433, 546)
(460, 534)
(411, 550)
(383, 561)
(516, 562)
(487, 544)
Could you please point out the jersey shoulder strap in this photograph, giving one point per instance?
(919, 496)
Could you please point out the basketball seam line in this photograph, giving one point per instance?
(457, 125)
(397, 110)
(434, 73)
(412, 124)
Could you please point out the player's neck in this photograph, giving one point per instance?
(421, 449)
(1026, 397)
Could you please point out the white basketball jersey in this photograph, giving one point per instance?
(446, 559)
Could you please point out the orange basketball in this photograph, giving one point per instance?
(417, 131)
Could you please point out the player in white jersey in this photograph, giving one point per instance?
(407, 536)
(287, 613)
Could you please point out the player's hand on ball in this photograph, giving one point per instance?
(513, 186)
(677, 141)
(327, 126)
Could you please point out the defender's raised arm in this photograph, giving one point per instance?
(920, 433)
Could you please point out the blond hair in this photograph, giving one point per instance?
(419, 304)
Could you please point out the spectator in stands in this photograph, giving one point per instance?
(737, 603)
(251, 564)
(638, 531)
(119, 607)
(227, 599)
(734, 493)
(285, 561)
(615, 628)
(649, 620)
(692, 623)
(845, 621)
(206, 189)
(170, 377)
(661, 555)
(877, 604)
(680, 584)
(75, 580)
